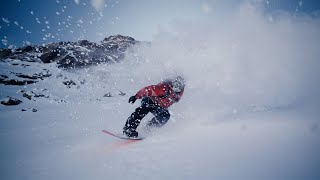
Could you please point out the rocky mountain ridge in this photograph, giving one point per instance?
(22, 68)
(73, 54)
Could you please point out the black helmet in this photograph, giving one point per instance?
(178, 84)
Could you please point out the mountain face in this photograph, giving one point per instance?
(73, 54)
(22, 68)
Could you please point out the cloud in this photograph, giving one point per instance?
(77, 1)
(98, 4)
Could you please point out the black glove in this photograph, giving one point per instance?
(132, 99)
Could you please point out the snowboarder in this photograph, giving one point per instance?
(155, 99)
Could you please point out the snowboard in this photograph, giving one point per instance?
(121, 136)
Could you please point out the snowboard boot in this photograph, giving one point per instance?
(130, 132)
(130, 127)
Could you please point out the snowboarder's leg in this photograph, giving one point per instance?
(162, 116)
(134, 119)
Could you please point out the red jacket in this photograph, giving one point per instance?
(161, 94)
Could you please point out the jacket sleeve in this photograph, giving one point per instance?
(153, 90)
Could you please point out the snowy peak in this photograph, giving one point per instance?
(118, 39)
(73, 54)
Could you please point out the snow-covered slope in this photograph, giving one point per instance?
(250, 108)
(63, 139)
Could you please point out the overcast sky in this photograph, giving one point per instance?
(37, 21)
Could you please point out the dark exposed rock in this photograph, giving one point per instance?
(108, 95)
(82, 81)
(31, 94)
(69, 61)
(87, 44)
(118, 38)
(25, 78)
(16, 82)
(49, 57)
(27, 49)
(69, 83)
(4, 76)
(28, 96)
(40, 95)
(11, 101)
(120, 93)
(30, 109)
(5, 53)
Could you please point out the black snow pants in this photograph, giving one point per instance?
(161, 114)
